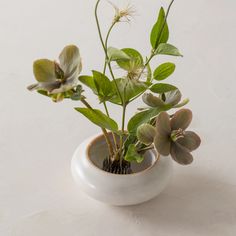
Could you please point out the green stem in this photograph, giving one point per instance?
(105, 50)
(113, 135)
(109, 144)
(106, 44)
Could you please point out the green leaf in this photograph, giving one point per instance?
(144, 117)
(115, 54)
(129, 90)
(103, 85)
(135, 61)
(133, 155)
(44, 70)
(163, 71)
(98, 118)
(168, 49)
(160, 31)
(89, 82)
(162, 88)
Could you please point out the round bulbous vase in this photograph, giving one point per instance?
(147, 180)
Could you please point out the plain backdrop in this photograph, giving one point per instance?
(38, 137)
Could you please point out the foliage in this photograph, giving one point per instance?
(151, 126)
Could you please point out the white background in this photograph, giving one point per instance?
(38, 137)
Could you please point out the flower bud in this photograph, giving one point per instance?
(146, 134)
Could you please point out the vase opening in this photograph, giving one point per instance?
(97, 152)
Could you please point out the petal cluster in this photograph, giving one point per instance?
(57, 78)
(173, 139)
(170, 98)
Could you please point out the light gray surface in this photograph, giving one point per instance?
(37, 137)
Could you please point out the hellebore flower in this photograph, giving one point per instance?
(172, 139)
(170, 98)
(56, 78)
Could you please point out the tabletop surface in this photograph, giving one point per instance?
(37, 137)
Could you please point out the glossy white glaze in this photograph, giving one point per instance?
(149, 179)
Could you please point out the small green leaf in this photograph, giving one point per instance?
(89, 82)
(168, 49)
(115, 54)
(133, 155)
(76, 96)
(144, 117)
(103, 85)
(98, 118)
(160, 31)
(163, 71)
(162, 88)
(135, 61)
(44, 70)
(129, 90)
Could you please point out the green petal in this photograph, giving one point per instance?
(191, 141)
(162, 144)
(44, 70)
(173, 97)
(181, 119)
(70, 60)
(152, 100)
(181, 154)
(163, 124)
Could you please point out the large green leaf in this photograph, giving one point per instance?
(163, 71)
(98, 118)
(160, 31)
(115, 54)
(133, 155)
(129, 90)
(103, 85)
(144, 117)
(168, 49)
(44, 70)
(162, 88)
(135, 61)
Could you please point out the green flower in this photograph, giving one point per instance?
(58, 78)
(173, 139)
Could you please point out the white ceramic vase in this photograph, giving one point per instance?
(148, 180)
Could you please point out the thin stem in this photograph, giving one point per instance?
(113, 135)
(106, 44)
(105, 50)
(109, 144)
(146, 148)
(123, 123)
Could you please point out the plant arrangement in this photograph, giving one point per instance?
(151, 127)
